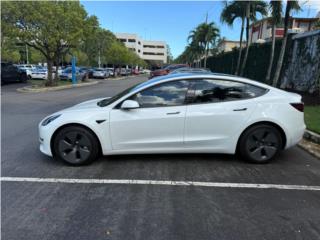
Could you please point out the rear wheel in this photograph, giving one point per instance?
(260, 143)
(75, 145)
(23, 78)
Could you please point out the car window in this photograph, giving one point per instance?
(211, 90)
(163, 95)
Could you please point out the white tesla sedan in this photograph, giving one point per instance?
(181, 113)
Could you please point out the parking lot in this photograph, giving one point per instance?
(146, 196)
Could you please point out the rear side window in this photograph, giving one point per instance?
(211, 90)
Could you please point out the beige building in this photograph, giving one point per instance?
(261, 31)
(147, 50)
(227, 45)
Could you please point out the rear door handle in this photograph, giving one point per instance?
(240, 109)
(172, 113)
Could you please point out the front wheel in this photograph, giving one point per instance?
(75, 145)
(260, 143)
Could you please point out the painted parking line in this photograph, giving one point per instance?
(166, 183)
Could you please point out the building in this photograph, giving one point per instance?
(261, 31)
(227, 45)
(152, 51)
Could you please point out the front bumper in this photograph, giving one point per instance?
(45, 135)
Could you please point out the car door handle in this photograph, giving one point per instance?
(172, 113)
(240, 109)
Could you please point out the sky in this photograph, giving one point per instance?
(169, 21)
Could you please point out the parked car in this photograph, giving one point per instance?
(27, 68)
(123, 72)
(39, 73)
(11, 73)
(135, 71)
(145, 71)
(190, 70)
(179, 113)
(166, 70)
(67, 74)
(100, 73)
(111, 71)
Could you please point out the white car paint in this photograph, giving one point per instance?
(210, 128)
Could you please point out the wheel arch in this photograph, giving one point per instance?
(279, 128)
(73, 125)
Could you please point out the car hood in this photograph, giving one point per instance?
(91, 104)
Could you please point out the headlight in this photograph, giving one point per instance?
(49, 119)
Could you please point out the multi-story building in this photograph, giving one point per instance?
(227, 45)
(261, 31)
(148, 50)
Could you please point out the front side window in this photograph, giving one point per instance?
(163, 95)
(210, 91)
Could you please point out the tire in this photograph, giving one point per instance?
(23, 78)
(260, 143)
(75, 146)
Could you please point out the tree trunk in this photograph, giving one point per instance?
(56, 76)
(49, 67)
(283, 46)
(205, 56)
(240, 47)
(248, 40)
(272, 53)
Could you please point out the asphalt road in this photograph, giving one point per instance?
(41, 210)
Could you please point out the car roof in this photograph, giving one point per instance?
(197, 75)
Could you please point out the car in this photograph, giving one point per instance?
(166, 70)
(27, 68)
(111, 71)
(100, 73)
(39, 73)
(180, 113)
(67, 74)
(11, 73)
(190, 70)
(135, 71)
(123, 72)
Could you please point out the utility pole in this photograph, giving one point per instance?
(99, 60)
(27, 54)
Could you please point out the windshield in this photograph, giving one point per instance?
(107, 101)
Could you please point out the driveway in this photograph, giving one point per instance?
(182, 196)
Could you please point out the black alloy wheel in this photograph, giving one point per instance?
(76, 145)
(260, 143)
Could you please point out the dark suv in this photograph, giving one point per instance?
(11, 73)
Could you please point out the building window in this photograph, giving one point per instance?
(139, 43)
(132, 49)
(138, 50)
(160, 46)
(122, 39)
(149, 46)
(153, 54)
(131, 40)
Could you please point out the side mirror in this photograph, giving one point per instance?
(129, 104)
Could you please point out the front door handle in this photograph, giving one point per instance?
(240, 109)
(172, 113)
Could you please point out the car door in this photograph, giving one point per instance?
(157, 124)
(217, 110)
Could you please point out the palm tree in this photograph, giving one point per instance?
(291, 5)
(252, 8)
(232, 11)
(205, 36)
(276, 18)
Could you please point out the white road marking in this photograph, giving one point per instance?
(166, 183)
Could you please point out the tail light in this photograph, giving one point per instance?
(298, 106)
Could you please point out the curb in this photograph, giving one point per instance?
(48, 89)
(312, 136)
(310, 147)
